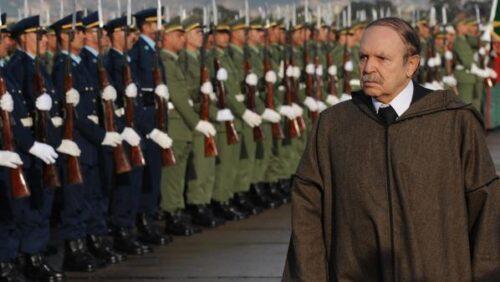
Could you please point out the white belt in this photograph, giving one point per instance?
(147, 89)
(94, 118)
(27, 122)
(120, 112)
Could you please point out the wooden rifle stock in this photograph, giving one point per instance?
(295, 88)
(309, 81)
(258, 135)
(19, 187)
(74, 173)
(332, 80)
(276, 130)
(210, 146)
(448, 65)
(50, 175)
(167, 155)
(232, 135)
(136, 154)
(346, 80)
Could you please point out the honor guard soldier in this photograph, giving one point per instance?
(83, 215)
(126, 195)
(143, 60)
(32, 214)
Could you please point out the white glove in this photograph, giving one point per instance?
(482, 51)
(131, 90)
(109, 93)
(205, 128)
(271, 76)
(160, 138)
(297, 109)
(450, 80)
(130, 136)
(431, 63)
(448, 55)
(222, 74)
(322, 106)
(281, 71)
(73, 97)
(437, 60)
(10, 159)
(6, 102)
(296, 72)
(311, 104)
(251, 79)
(44, 102)
(492, 73)
(69, 147)
(207, 88)
(251, 118)
(310, 69)
(482, 73)
(57, 121)
(112, 139)
(289, 71)
(44, 152)
(271, 115)
(332, 100)
(287, 111)
(332, 70)
(162, 91)
(224, 115)
(319, 70)
(348, 66)
(345, 97)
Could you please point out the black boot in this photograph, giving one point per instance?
(101, 248)
(243, 203)
(37, 269)
(203, 215)
(149, 233)
(285, 185)
(276, 194)
(78, 259)
(124, 241)
(227, 211)
(259, 197)
(176, 223)
(9, 272)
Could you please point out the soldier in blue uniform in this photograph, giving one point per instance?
(126, 194)
(31, 214)
(83, 220)
(142, 56)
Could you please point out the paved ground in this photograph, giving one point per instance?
(252, 250)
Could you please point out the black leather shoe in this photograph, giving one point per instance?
(285, 185)
(101, 248)
(227, 211)
(176, 224)
(37, 269)
(77, 258)
(203, 215)
(125, 242)
(9, 272)
(276, 193)
(259, 197)
(243, 203)
(148, 233)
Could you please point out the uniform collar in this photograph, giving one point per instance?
(172, 54)
(29, 54)
(77, 59)
(92, 50)
(193, 54)
(237, 48)
(117, 51)
(400, 103)
(149, 41)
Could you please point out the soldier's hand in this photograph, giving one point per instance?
(271, 115)
(297, 109)
(6, 102)
(112, 139)
(162, 91)
(57, 121)
(311, 104)
(130, 136)
(224, 115)
(109, 93)
(207, 88)
(69, 147)
(131, 90)
(322, 106)
(44, 102)
(205, 128)
(44, 152)
(73, 97)
(160, 138)
(287, 111)
(251, 118)
(10, 159)
(332, 100)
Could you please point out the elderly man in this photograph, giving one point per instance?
(396, 184)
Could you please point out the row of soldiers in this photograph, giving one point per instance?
(140, 119)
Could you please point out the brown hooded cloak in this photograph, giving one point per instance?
(417, 200)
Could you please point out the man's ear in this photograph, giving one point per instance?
(412, 65)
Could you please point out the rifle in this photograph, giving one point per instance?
(309, 76)
(291, 125)
(220, 90)
(50, 175)
(346, 57)
(210, 146)
(19, 187)
(122, 164)
(136, 154)
(448, 64)
(74, 173)
(258, 135)
(276, 129)
(167, 155)
(332, 80)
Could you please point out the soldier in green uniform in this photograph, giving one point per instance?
(182, 122)
(424, 32)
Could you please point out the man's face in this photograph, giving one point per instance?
(3, 45)
(175, 40)
(238, 36)
(323, 34)
(274, 35)
(254, 37)
(384, 72)
(298, 37)
(423, 30)
(473, 29)
(194, 38)
(222, 39)
(118, 39)
(78, 40)
(52, 41)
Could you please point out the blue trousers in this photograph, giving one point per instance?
(151, 179)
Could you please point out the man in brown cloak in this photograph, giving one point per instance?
(396, 184)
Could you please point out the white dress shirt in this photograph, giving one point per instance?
(400, 103)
